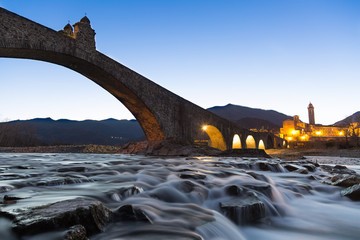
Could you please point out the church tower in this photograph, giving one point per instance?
(311, 114)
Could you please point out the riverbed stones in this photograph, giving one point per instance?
(89, 213)
(352, 192)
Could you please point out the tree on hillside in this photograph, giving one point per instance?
(17, 135)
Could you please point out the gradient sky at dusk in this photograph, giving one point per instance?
(269, 54)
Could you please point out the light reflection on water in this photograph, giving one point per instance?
(181, 195)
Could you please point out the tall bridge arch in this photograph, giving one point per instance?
(161, 113)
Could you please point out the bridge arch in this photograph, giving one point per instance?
(250, 142)
(236, 143)
(261, 144)
(78, 55)
(216, 138)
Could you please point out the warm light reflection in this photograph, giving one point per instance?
(294, 132)
(341, 133)
(204, 127)
(318, 133)
(303, 137)
(289, 138)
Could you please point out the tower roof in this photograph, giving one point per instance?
(85, 20)
(310, 105)
(68, 27)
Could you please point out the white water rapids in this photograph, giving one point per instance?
(182, 196)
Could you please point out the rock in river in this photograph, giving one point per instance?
(352, 192)
(245, 209)
(77, 232)
(89, 213)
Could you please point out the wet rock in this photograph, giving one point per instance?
(77, 232)
(345, 180)
(338, 169)
(6, 189)
(242, 210)
(234, 190)
(129, 213)
(192, 175)
(129, 191)
(261, 187)
(258, 176)
(310, 167)
(296, 168)
(11, 198)
(263, 166)
(352, 192)
(62, 181)
(89, 213)
(72, 169)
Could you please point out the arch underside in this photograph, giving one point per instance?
(216, 137)
(131, 101)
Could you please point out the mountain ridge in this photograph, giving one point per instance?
(236, 112)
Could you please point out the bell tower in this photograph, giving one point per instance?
(311, 114)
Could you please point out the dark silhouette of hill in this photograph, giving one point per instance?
(110, 131)
(46, 131)
(250, 117)
(350, 119)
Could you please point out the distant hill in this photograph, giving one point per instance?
(63, 131)
(46, 131)
(254, 117)
(353, 118)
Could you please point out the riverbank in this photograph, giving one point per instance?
(293, 154)
(164, 148)
(90, 148)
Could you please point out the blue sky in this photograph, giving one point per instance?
(269, 54)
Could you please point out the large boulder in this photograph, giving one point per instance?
(61, 215)
(244, 209)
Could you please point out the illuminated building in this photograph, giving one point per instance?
(296, 130)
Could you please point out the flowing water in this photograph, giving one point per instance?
(181, 196)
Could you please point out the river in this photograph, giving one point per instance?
(182, 196)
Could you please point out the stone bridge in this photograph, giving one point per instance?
(161, 113)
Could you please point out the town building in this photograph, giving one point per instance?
(294, 130)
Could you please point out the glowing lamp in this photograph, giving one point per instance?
(341, 133)
(303, 137)
(204, 127)
(318, 133)
(289, 138)
(294, 132)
